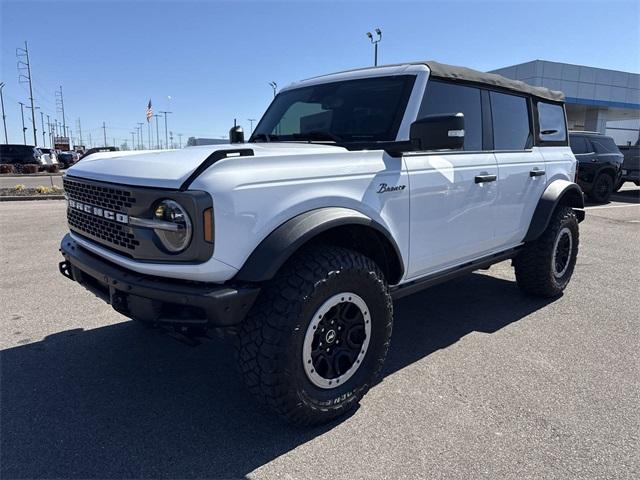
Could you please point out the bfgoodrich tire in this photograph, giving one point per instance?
(317, 337)
(544, 266)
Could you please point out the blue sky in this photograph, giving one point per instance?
(215, 59)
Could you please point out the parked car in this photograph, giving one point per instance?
(49, 156)
(630, 165)
(19, 155)
(599, 164)
(355, 189)
(66, 159)
(97, 149)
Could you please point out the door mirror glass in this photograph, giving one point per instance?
(438, 132)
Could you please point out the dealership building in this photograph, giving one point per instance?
(606, 101)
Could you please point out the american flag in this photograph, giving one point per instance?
(149, 111)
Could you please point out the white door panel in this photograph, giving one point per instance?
(452, 217)
(518, 193)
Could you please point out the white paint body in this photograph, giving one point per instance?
(441, 219)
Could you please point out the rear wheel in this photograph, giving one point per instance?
(318, 335)
(602, 188)
(544, 266)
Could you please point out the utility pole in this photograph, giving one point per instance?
(80, 131)
(60, 105)
(274, 86)
(104, 132)
(166, 135)
(155, 115)
(141, 137)
(133, 140)
(44, 141)
(4, 117)
(180, 137)
(251, 120)
(24, 129)
(50, 131)
(90, 141)
(22, 54)
(375, 44)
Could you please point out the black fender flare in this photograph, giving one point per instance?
(274, 250)
(557, 192)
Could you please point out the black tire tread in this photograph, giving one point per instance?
(259, 347)
(533, 271)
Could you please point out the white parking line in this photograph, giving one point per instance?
(612, 206)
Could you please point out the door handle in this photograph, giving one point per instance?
(536, 173)
(485, 178)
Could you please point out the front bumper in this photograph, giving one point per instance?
(156, 299)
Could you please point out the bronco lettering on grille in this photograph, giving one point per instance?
(99, 212)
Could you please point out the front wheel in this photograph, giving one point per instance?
(317, 337)
(544, 266)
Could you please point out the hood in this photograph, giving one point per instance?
(170, 168)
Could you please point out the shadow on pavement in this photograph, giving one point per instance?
(121, 401)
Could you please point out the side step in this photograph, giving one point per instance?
(414, 286)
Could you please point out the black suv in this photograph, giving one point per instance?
(631, 164)
(599, 164)
(19, 155)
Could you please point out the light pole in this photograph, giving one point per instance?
(180, 137)
(273, 85)
(166, 134)
(251, 120)
(141, 137)
(24, 129)
(155, 115)
(4, 117)
(375, 44)
(44, 141)
(133, 140)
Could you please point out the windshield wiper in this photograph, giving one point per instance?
(317, 135)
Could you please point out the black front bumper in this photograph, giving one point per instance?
(156, 299)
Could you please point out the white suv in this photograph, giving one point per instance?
(355, 189)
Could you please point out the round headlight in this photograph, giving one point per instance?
(174, 238)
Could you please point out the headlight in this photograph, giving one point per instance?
(176, 238)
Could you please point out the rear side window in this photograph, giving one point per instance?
(441, 98)
(604, 145)
(511, 126)
(551, 120)
(579, 145)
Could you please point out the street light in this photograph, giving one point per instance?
(375, 44)
(273, 85)
(251, 120)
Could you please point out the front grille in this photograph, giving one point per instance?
(100, 228)
(108, 197)
(115, 199)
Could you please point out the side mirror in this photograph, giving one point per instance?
(236, 134)
(438, 132)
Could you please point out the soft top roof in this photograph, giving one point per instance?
(453, 72)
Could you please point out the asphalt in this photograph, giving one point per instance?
(10, 181)
(481, 381)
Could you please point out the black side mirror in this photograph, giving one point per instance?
(236, 134)
(438, 132)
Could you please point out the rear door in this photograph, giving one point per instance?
(452, 192)
(521, 167)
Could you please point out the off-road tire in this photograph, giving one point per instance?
(270, 340)
(602, 188)
(534, 266)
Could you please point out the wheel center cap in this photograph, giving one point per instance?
(330, 337)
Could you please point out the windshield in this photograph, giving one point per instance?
(363, 110)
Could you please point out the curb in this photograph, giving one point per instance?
(18, 198)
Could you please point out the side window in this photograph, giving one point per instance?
(578, 144)
(511, 128)
(604, 145)
(551, 120)
(441, 97)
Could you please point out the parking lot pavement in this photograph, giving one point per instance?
(481, 381)
(31, 181)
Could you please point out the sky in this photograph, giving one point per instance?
(215, 59)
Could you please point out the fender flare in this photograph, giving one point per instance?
(557, 192)
(274, 250)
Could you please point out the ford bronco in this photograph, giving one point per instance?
(355, 189)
